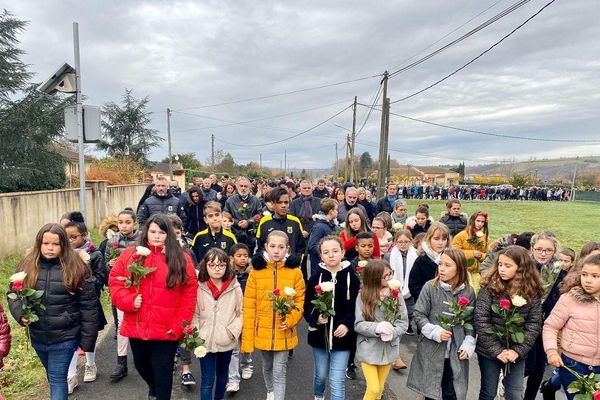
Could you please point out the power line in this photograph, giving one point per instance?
(476, 58)
(232, 123)
(375, 100)
(279, 94)
(473, 31)
(488, 133)
(289, 137)
(446, 35)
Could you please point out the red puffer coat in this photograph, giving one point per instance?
(4, 336)
(163, 310)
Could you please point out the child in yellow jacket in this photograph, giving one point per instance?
(273, 276)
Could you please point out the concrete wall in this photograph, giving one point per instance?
(23, 214)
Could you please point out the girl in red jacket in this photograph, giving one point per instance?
(155, 310)
(355, 223)
(4, 338)
(576, 316)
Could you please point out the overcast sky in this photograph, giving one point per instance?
(541, 82)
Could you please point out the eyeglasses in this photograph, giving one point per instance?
(388, 276)
(543, 251)
(403, 242)
(73, 238)
(216, 265)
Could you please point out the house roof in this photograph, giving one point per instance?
(71, 155)
(435, 170)
(163, 167)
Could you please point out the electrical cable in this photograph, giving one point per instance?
(476, 58)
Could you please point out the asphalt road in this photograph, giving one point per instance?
(299, 382)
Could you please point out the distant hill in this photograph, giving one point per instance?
(554, 170)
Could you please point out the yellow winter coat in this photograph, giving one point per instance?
(261, 324)
(461, 242)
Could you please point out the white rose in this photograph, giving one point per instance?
(289, 292)
(397, 226)
(343, 225)
(362, 264)
(479, 234)
(19, 276)
(266, 213)
(84, 256)
(142, 251)
(394, 284)
(559, 265)
(327, 286)
(518, 301)
(200, 351)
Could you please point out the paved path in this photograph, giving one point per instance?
(299, 386)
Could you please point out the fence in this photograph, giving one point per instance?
(23, 214)
(587, 196)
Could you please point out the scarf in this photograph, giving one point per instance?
(214, 290)
(430, 253)
(392, 200)
(306, 211)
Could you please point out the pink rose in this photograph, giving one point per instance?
(359, 269)
(257, 218)
(463, 301)
(276, 292)
(318, 290)
(596, 395)
(505, 304)
(188, 330)
(17, 286)
(115, 245)
(135, 257)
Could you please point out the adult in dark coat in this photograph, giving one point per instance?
(194, 211)
(161, 202)
(386, 203)
(350, 201)
(305, 206)
(453, 218)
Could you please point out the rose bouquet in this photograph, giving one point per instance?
(587, 387)
(137, 271)
(391, 305)
(192, 341)
(113, 251)
(512, 330)
(360, 268)
(324, 304)
(476, 240)
(30, 298)
(457, 314)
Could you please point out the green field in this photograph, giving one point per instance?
(573, 223)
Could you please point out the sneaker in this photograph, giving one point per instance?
(90, 373)
(410, 331)
(72, 382)
(232, 387)
(398, 364)
(270, 395)
(351, 372)
(187, 379)
(247, 373)
(319, 397)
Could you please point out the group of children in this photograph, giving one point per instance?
(227, 294)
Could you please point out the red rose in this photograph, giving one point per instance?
(135, 257)
(115, 245)
(318, 290)
(17, 286)
(463, 301)
(188, 330)
(505, 304)
(596, 395)
(276, 292)
(395, 293)
(257, 218)
(359, 269)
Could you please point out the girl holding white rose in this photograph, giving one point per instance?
(273, 275)
(218, 317)
(331, 338)
(473, 241)
(378, 337)
(511, 283)
(156, 304)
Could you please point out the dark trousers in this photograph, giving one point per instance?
(534, 369)
(215, 372)
(154, 361)
(448, 392)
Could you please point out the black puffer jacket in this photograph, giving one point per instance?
(454, 224)
(167, 204)
(67, 316)
(489, 345)
(424, 269)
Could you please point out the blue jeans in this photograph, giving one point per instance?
(214, 366)
(566, 377)
(490, 373)
(56, 359)
(333, 364)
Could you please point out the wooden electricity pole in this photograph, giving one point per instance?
(383, 139)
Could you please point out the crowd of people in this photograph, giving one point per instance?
(226, 271)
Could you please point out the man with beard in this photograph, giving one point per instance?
(161, 201)
(244, 224)
(305, 206)
(350, 201)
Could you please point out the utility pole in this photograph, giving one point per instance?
(352, 141)
(212, 146)
(79, 107)
(572, 197)
(260, 158)
(335, 167)
(347, 163)
(169, 140)
(284, 162)
(383, 139)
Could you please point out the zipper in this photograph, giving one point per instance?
(274, 313)
(47, 334)
(214, 324)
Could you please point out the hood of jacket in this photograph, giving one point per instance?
(262, 261)
(582, 296)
